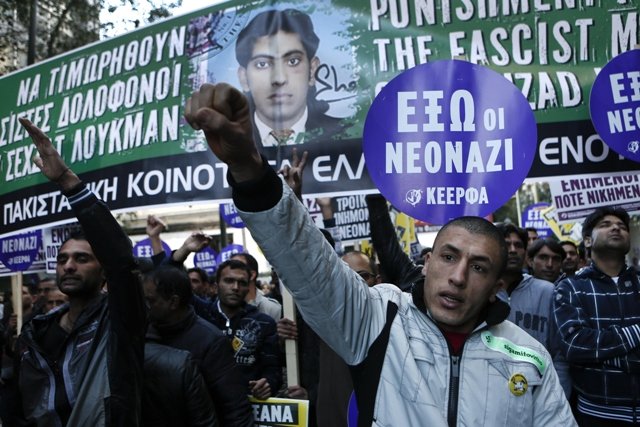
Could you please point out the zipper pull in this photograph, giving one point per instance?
(455, 366)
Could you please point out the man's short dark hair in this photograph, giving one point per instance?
(482, 227)
(507, 228)
(171, 281)
(372, 262)
(251, 262)
(233, 264)
(76, 234)
(204, 277)
(550, 243)
(594, 217)
(569, 242)
(269, 23)
(527, 229)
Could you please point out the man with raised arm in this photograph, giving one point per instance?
(442, 355)
(82, 365)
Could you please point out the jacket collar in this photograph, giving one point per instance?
(628, 275)
(172, 328)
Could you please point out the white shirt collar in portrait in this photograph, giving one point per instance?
(267, 138)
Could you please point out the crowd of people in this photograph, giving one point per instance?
(493, 327)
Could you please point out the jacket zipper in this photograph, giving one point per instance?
(454, 383)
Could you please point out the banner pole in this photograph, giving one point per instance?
(290, 346)
(16, 298)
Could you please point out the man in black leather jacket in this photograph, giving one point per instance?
(175, 392)
(175, 323)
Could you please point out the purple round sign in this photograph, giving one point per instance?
(18, 252)
(143, 248)
(615, 104)
(532, 217)
(206, 260)
(447, 139)
(230, 215)
(227, 252)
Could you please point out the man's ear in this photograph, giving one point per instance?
(313, 67)
(242, 77)
(254, 276)
(587, 241)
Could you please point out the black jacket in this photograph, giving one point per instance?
(175, 392)
(213, 355)
(97, 378)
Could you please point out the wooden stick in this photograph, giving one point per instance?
(290, 346)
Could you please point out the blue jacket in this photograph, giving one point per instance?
(255, 344)
(599, 334)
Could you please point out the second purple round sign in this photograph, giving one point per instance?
(447, 139)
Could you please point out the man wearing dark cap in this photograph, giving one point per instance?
(277, 56)
(598, 315)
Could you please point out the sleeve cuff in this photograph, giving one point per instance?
(329, 223)
(80, 196)
(259, 194)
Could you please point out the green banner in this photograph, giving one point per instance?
(114, 108)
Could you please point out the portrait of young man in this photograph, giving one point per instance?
(276, 52)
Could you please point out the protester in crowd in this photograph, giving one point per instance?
(363, 265)
(400, 355)
(598, 314)
(532, 235)
(199, 282)
(46, 284)
(277, 56)
(530, 299)
(174, 323)
(570, 263)
(545, 259)
(583, 255)
(252, 334)
(97, 339)
(11, 322)
(272, 288)
(331, 387)
(335, 386)
(256, 296)
(175, 394)
(55, 299)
